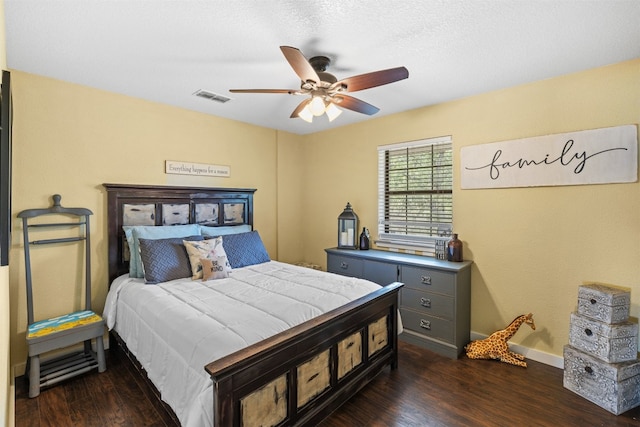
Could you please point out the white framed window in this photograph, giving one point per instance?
(415, 195)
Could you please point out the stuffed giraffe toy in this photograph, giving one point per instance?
(496, 345)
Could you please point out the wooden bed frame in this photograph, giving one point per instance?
(312, 368)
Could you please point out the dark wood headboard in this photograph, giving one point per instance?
(166, 205)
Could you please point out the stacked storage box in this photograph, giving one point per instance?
(601, 361)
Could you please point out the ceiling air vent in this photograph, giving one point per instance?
(211, 96)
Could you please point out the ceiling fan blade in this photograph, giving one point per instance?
(289, 91)
(355, 104)
(376, 78)
(300, 65)
(299, 108)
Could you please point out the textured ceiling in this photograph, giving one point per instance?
(164, 51)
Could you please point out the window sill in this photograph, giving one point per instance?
(434, 247)
(406, 247)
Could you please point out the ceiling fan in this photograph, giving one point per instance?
(325, 92)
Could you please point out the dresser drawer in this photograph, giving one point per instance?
(428, 303)
(428, 280)
(429, 326)
(381, 273)
(346, 266)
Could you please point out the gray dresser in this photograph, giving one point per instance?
(435, 300)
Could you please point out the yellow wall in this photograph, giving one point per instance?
(70, 139)
(531, 247)
(290, 188)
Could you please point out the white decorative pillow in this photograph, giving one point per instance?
(210, 249)
(213, 269)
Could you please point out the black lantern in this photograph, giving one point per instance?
(347, 228)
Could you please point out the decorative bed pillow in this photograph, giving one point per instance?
(165, 259)
(209, 249)
(224, 230)
(213, 269)
(245, 249)
(136, 232)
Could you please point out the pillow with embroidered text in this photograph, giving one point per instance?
(209, 249)
(213, 269)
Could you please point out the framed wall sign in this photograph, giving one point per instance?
(198, 169)
(598, 156)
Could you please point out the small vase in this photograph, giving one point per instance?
(454, 249)
(364, 239)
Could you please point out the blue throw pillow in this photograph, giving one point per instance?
(165, 259)
(244, 249)
(136, 232)
(209, 231)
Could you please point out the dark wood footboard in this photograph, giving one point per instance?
(301, 375)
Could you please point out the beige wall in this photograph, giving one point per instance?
(531, 247)
(70, 139)
(289, 193)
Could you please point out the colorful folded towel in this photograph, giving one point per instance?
(56, 324)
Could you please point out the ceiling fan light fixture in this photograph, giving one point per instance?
(305, 114)
(325, 90)
(317, 106)
(332, 111)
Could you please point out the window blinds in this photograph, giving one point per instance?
(415, 200)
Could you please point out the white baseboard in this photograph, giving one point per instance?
(529, 353)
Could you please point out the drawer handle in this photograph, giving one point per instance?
(344, 265)
(588, 332)
(588, 370)
(425, 324)
(592, 301)
(426, 280)
(425, 302)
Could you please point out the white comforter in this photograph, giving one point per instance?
(175, 328)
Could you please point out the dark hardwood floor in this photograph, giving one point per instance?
(426, 390)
